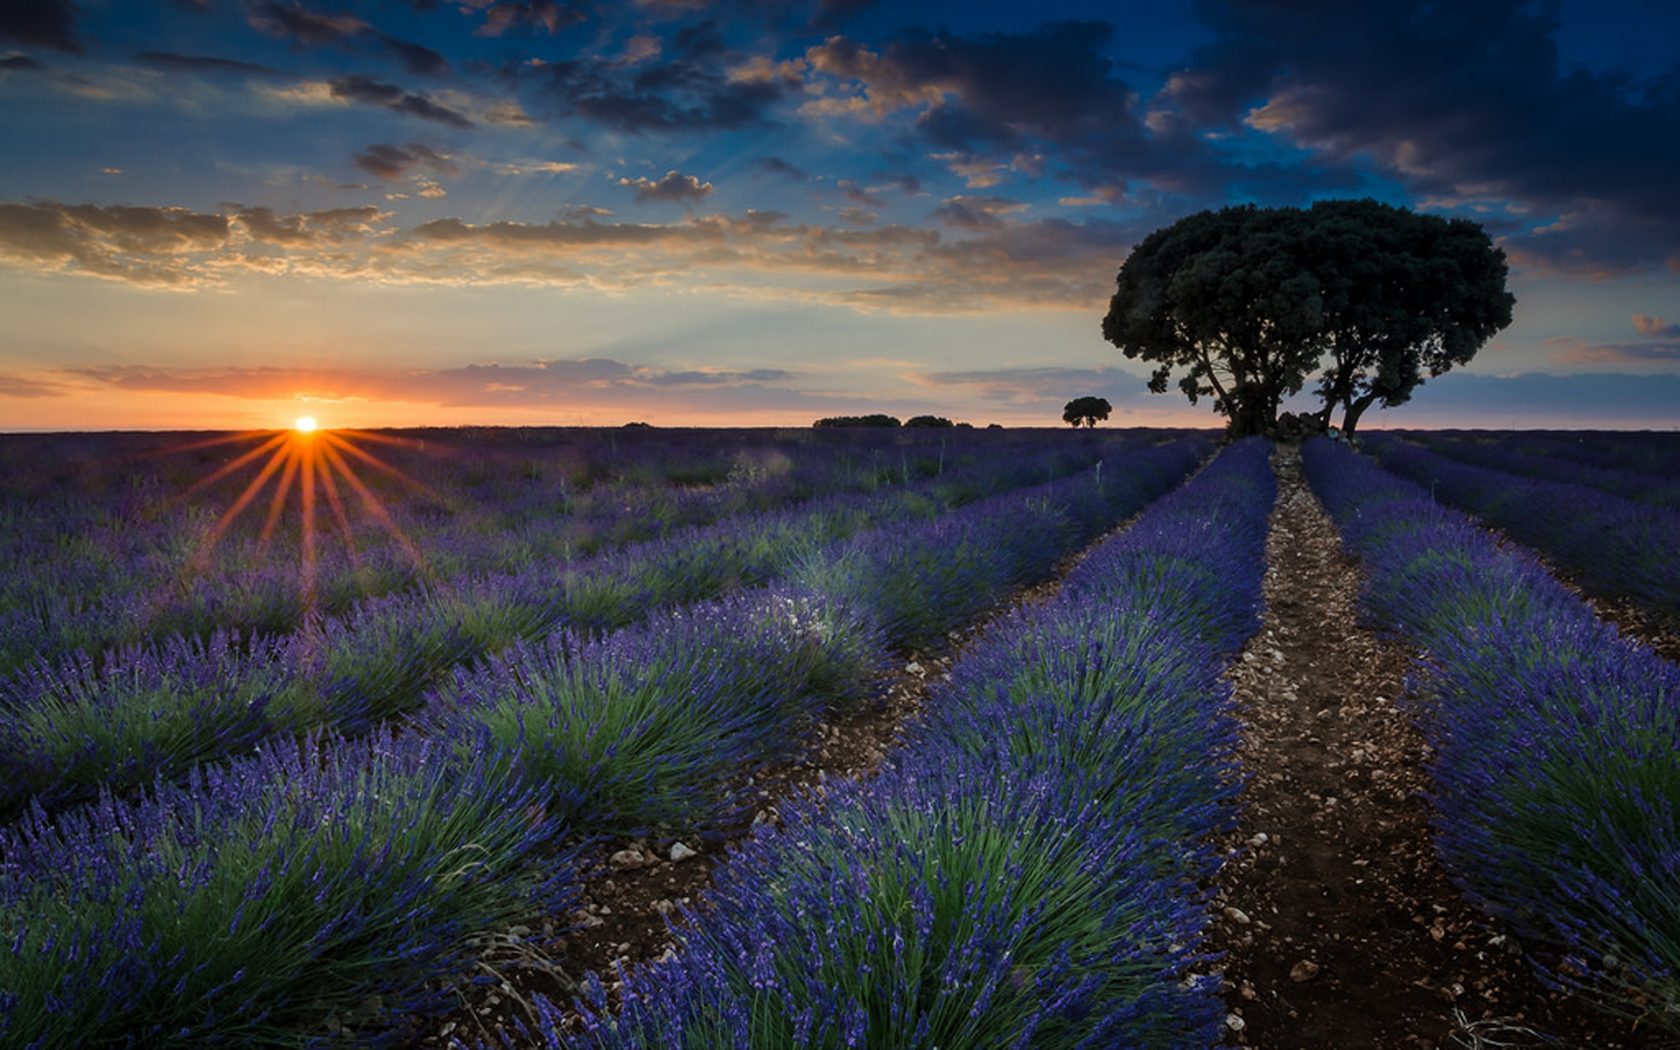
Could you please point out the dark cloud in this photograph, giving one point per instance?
(201, 64)
(376, 93)
(40, 23)
(419, 60)
(302, 25)
(778, 166)
(971, 212)
(673, 187)
(999, 102)
(503, 16)
(20, 62)
(693, 88)
(1458, 101)
(387, 161)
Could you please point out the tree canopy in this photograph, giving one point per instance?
(1086, 410)
(876, 419)
(928, 421)
(1249, 302)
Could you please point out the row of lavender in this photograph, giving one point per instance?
(316, 889)
(1534, 455)
(1031, 868)
(1654, 454)
(67, 728)
(1615, 547)
(128, 557)
(1555, 781)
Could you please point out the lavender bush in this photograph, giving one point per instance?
(1556, 789)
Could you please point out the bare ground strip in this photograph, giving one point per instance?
(1339, 927)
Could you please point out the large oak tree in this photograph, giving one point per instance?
(1249, 302)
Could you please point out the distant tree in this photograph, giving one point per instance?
(927, 421)
(994, 426)
(1086, 410)
(1248, 301)
(637, 424)
(876, 420)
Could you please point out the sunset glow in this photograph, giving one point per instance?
(305, 464)
(439, 214)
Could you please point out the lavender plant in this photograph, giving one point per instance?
(310, 890)
(1554, 777)
(1027, 871)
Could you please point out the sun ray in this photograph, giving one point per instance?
(374, 505)
(374, 461)
(307, 454)
(281, 491)
(250, 493)
(232, 465)
(330, 487)
(221, 439)
(314, 461)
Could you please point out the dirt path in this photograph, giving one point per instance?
(1340, 928)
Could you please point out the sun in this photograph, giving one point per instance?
(304, 424)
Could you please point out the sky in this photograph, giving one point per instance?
(229, 213)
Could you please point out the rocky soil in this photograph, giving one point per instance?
(1339, 927)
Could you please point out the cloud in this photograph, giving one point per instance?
(674, 187)
(41, 23)
(977, 212)
(25, 386)
(1467, 100)
(1603, 399)
(419, 60)
(692, 90)
(1050, 263)
(1570, 351)
(778, 166)
(1015, 386)
(543, 383)
(332, 227)
(171, 62)
(20, 63)
(1655, 327)
(141, 245)
(374, 93)
(504, 16)
(301, 25)
(386, 161)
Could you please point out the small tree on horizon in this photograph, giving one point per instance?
(1086, 410)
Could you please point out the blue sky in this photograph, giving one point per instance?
(220, 213)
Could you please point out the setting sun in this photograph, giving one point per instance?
(304, 424)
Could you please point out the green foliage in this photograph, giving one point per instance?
(877, 419)
(1248, 301)
(928, 421)
(1086, 410)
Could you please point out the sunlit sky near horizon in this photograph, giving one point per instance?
(233, 213)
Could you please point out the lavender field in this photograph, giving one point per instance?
(335, 738)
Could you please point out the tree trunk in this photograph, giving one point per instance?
(1355, 409)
